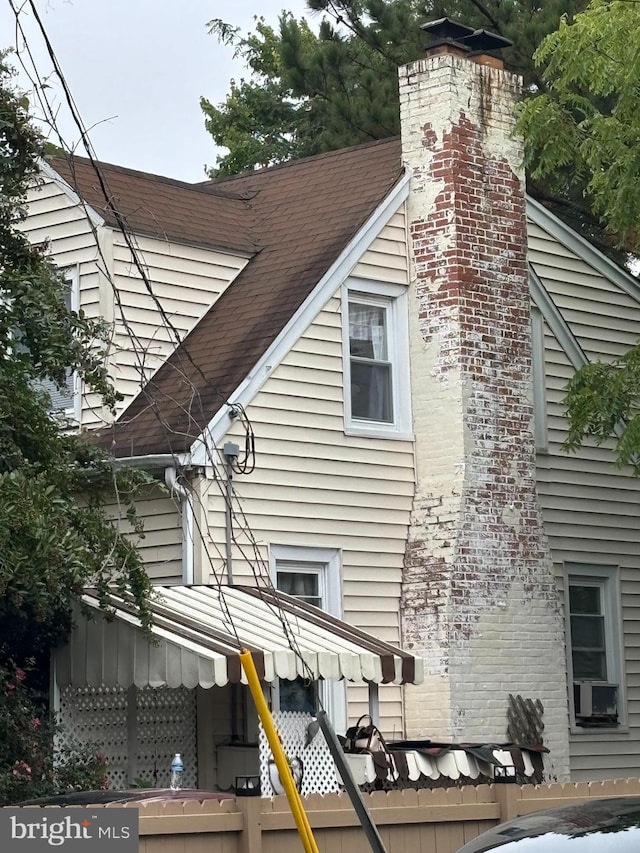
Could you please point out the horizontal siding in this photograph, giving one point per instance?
(185, 282)
(160, 547)
(590, 507)
(55, 219)
(390, 699)
(315, 486)
(387, 257)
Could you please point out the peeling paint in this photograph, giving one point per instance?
(478, 578)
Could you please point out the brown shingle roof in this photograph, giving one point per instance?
(303, 214)
(198, 214)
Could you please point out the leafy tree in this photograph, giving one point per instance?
(311, 92)
(584, 131)
(51, 544)
(603, 401)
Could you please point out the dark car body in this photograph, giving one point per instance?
(131, 795)
(595, 826)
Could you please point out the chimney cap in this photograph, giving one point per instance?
(483, 40)
(445, 30)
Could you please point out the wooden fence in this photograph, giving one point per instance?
(431, 821)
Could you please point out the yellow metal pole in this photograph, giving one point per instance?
(293, 796)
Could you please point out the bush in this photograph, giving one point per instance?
(28, 766)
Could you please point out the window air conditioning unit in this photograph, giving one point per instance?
(595, 703)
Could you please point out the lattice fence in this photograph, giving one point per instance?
(166, 724)
(98, 716)
(319, 770)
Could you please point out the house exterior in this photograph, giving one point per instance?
(347, 374)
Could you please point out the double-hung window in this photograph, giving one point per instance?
(594, 645)
(376, 361)
(313, 575)
(65, 400)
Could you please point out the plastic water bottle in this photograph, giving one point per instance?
(177, 772)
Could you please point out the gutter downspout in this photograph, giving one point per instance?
(186, 506)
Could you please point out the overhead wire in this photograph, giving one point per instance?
(244, 465)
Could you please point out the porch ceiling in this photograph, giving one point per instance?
(199, 631)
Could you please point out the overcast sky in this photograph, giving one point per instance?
(137, 69)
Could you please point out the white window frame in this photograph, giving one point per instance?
(326, 563)
(607, 579)
(539, 373)
(393, 297)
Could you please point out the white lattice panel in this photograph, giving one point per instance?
(166, 725)
(319, 770)
(91, 715)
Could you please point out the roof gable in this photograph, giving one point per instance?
(302, 215)
(294, 221)
(161, 207)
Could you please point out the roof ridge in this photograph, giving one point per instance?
(299, 161)
(198, 187)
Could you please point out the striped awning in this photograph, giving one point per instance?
(199, 630)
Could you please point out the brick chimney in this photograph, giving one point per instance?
(479, 599)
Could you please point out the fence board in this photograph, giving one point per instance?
(424, 821)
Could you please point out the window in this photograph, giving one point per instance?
(594, 644)
(65, 401)
(302, 581)
(312, 574)
(376, 359)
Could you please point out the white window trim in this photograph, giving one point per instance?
(394, 296)
(608, 578)
(538, 368)
(332, 693)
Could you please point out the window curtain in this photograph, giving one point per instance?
(366, 325)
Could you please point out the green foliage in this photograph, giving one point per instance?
(584, 132)
(28, 768)
(603, 401)
(52, 544)
(310, 92)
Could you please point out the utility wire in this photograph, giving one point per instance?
(246, 465)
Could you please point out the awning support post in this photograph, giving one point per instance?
(355, 794)
(286, 777)
(374, 703)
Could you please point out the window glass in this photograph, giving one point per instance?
(303, 585)
(371, 370)
(588, 643)
(300, 694)
(62, 399)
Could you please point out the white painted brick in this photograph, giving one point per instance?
(479, 600)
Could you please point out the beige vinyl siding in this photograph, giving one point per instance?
(387, 259)
(185, 281)
(590, 506)
(313, 486)
(76, 244)
(161, 545)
